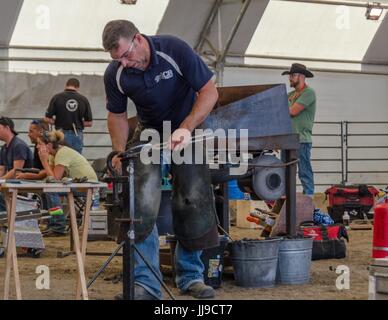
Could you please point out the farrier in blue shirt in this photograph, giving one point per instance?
(166, 90)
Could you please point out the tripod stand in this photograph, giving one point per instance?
(128, 244)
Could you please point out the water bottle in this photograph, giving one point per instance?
(346, 219)
(96, 200)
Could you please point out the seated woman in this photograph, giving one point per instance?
(58, 160)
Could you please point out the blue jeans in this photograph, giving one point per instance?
(188, 265)
(305, 170)
(73, 141)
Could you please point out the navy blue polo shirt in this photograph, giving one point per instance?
(166, 90)
(17, 150)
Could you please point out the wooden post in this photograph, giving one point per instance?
(85, 228)
(11, 255)
(77, 249)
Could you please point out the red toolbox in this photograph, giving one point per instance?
(357, 200)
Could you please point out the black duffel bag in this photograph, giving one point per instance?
(329, 241)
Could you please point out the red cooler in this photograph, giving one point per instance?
(380, 231)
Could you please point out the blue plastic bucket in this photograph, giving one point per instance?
(234, 191)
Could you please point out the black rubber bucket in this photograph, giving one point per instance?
(213, 260)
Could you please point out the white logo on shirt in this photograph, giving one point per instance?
(72, 105)
(165, 75)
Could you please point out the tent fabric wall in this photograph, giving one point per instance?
(340, 97)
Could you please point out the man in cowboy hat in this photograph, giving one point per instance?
(302, 104)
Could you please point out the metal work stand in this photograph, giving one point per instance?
(128, 244)
(290, 144)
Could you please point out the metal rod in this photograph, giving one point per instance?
(326, 147)
(164, 145)
(326, 135)
(367, 171)
(367, 122)
(368, 159)
(328, 70)
(291, 194)
(368, 135)
(297, 58)
(367, 147)
(51, 48)
(131, 233)
(326, 172)
(225, 214)
(338, 3)
(235, 27)
(105, 265)
(342, 154)
(34, 59)
(208, 23)
(346, 147)
(327, 122)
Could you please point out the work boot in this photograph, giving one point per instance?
(140, 294)
(200, 290)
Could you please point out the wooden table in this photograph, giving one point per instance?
(11, 190)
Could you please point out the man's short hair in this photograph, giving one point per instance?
(115, 30)
(72, 82)
(7, 122)
(41, 123)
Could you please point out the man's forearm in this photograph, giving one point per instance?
(9, 175)
(118, 129)
(206, 100)
(36, 176)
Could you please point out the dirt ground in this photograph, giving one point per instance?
(321, 285)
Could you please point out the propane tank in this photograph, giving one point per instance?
(380, 231)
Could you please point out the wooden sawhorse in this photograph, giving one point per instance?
(11, 190)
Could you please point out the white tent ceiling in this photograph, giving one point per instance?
(65, 36)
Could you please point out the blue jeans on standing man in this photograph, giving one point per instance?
(188, 265)
(305, 170)
(74, 141)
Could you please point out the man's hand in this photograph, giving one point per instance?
(116, 163)
(43, 153)
(21, 175)
(179, 139)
